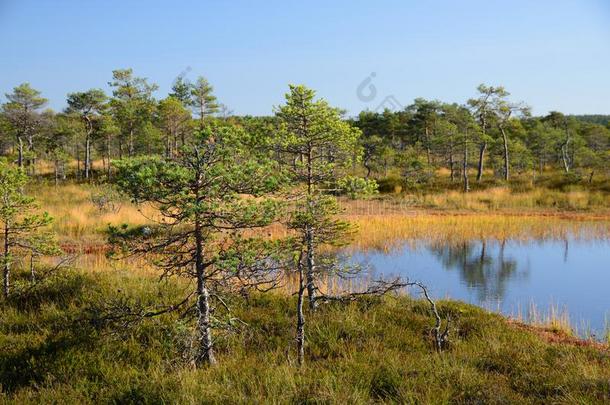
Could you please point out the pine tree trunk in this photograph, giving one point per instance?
(78, 173)
(506, 164)
(20, 157)
(367, 166)
(205, 353)
(311, 289)
(108, 156)
(451, 164)
(482, 150)
(309, 235)
(300, 335)
(7, 265)
(31, 160)
(131, 145)
(565, 156)
(168, 146)
(428, 157)
(87, 156)
(465, 169)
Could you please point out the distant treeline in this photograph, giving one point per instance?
(601, 119)
(488, 136)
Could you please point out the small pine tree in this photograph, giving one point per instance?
(23, 230)
(317, 148)
(199, 194)
(203, 100)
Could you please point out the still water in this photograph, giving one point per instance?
(572, 275)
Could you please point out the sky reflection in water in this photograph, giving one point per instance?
(571, 274)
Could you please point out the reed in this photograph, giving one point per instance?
(384, 232)
(554, 318)
(77, 219)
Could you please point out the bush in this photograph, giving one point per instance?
(391, 184)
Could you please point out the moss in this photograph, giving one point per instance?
(372, 351)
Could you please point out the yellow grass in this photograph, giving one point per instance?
(386, 231)
(77, 219)
(554, 318)
(503, 198)
(381, 225)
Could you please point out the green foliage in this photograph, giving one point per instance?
(316, 137)
(21, 111)
(599, 119)
(61, 350)
(318, 212)
(25, 98)
(132, 105)
(173, 118)
(356, 187)
(87, 103)
(319, 147)
(414, 166)
(181, 91)
(202, 98)
(22, 230)
(200, 195)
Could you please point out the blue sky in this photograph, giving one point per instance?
(554, 55)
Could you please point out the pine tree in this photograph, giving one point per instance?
(22, 111)
(199, 193)
(203, 100)
(317, 146)
(132, 105)
(23, 230)
(89, 106)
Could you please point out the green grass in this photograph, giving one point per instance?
(375, 350)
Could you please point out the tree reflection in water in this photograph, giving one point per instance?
(483, 266)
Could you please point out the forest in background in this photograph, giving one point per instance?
(428, 144)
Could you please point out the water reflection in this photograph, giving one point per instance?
(483, 267)
(509, 276)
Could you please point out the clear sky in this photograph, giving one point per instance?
(552, 54)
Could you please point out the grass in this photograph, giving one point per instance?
(79, 221)
(504, 198)
(539, 200)
(383, 232)
(376, 350)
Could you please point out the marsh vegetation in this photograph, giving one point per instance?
(285, 257)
